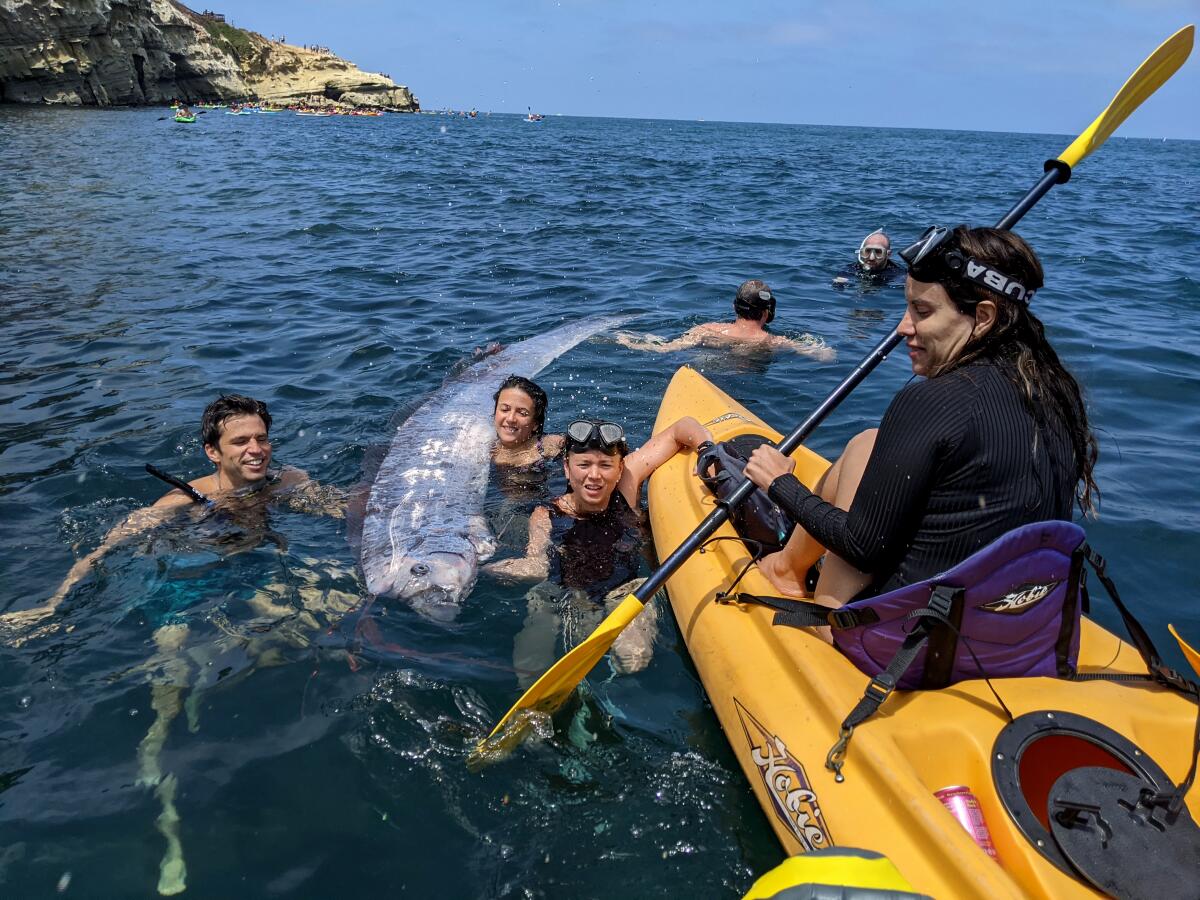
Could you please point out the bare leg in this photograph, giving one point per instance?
(786, 570)
(634, 647)
(172, 872)
(166, 694)
(166, 698)
(534, 645)
(840, 581)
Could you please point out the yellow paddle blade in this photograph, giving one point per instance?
(550, 691)
(1149, 77)
(1190, 653)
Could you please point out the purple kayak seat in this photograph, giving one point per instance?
(1015, 605)
(1009, 610)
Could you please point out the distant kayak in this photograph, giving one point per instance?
(236, 112)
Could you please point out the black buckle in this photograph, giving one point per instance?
(842, 618)
(880, 688)
(942, 600)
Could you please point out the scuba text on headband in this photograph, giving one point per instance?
(935, 257)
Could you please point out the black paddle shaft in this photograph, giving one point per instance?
(178, 484)
(1057, 172)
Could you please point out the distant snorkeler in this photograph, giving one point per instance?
(754, 310)
(235, 433)
(874, 265)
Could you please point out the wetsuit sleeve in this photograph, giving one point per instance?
(916, 434)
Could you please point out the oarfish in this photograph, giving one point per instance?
(424, 532)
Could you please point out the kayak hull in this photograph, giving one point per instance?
(781, 695)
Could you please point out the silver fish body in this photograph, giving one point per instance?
(424, 532)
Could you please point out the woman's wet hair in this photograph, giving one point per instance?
(1018, 338)
(227, 406)
(536, 394)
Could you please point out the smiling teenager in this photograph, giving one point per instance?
(520, 420)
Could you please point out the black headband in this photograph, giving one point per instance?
(936, 257)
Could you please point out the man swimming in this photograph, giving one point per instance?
(235, 432)
(874, 265)
(754, 309)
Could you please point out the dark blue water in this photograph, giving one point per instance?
(338, 269)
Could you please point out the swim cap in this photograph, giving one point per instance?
(752, 299)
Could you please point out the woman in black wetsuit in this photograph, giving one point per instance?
(995, 437)
(588, 541)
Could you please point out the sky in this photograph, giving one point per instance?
(1008, 65)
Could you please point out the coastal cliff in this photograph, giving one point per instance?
(131, 52)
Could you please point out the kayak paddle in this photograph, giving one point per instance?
(559, 681)
(1190, 653)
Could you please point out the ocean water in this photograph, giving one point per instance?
(339, 269)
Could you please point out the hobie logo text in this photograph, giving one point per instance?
(1022, 598)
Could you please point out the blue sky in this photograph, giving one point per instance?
(1016, 65)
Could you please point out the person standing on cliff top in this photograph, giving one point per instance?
(754, 308)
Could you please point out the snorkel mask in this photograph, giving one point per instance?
(936, 257)
(868, 255)
(753, 305)
(585, 434)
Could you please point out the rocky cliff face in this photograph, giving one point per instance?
(118, 52)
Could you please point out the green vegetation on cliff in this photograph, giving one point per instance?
(235, 40)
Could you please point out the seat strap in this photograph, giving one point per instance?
(1157, 671)
(806, 614)
(879, 688)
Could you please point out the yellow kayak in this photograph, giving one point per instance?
(781, 695)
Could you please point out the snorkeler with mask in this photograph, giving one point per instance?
(587, 544)
(874, 265)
